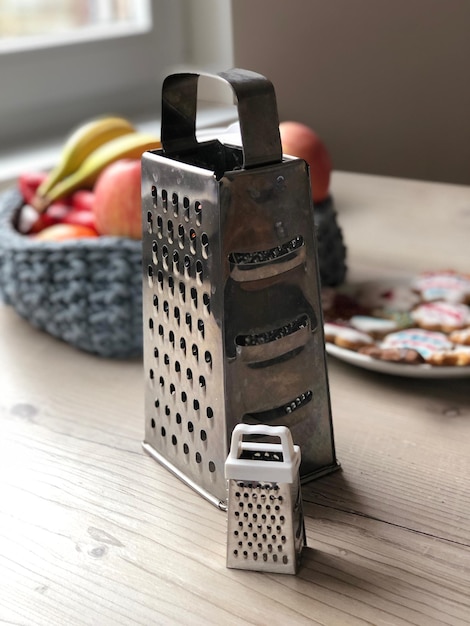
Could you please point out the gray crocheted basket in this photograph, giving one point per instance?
(87, 292)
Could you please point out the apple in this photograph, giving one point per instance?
(117, 203)
(80, 217)
(82, 200)
(303, 142)
(28, 182)
(63, 232)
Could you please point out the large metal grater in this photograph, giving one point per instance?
(265, 524)
(232, 317)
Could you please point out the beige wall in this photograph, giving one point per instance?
(386, 83)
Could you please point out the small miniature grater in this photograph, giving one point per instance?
(232, 317)
(265, 525)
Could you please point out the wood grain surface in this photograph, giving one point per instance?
(93, 531)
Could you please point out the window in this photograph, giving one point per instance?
(29, 24)
(102, 60)
(109, 58)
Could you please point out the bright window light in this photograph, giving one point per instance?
(26, 24)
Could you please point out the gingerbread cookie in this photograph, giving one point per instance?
(346, 336)
(425, 342)
(461, 337)
(380, 295)
(376, 327)
(458, 356)
(447, 285)
(393, 355)
(441, 316)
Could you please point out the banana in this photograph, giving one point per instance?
(130, 146)
(81, 143)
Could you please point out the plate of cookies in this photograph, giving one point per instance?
(418, 327)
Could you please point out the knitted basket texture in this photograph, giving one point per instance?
(86, 292)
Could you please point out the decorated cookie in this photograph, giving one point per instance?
(425, 342)
(377, 327)
(380, 295)
(447, 285)
(458, 356)
(442, 316)
(461, 337)
(346, 336)
(394, 355)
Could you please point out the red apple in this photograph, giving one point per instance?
(301, 141)
(62, 232)
(83, 200)
(80, 217)
(28, 182)
(117, 204)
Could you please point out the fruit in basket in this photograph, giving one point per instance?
(83, 199)
(303, 142)
(81, 143)
(55, 214)
(64, 232)
(130, 146)
(117, 205)
(28, 183)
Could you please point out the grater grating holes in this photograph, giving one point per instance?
(159, 227)
(205, 245)
(149, 222)
(194, 296)
(169, 227)
(155, 252)
(178, 254)
(198, 212)
(176, 262)
(175, 203)
(259, 535)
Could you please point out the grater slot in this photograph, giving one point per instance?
(279, 414)
(260, 264)
(270, 345)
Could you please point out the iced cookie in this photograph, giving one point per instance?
(345, 336)
(459, 356)
(441, 316)
(461, 337)
(425, 342)
(377, 295)
(446, 285)
(394, 355)
(377, 327)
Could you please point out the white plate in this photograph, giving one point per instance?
(397, 369)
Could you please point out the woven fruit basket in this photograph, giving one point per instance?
(86, 292)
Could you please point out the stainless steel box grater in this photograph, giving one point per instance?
(265, 523)
(232, 318)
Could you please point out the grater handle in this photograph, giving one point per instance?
(283, 432)
(257, 113)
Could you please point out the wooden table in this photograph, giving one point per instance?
(93, 531)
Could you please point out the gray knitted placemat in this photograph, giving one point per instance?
(87, 292)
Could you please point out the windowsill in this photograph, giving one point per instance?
(43, 155)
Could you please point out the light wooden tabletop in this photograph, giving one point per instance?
(93, 531)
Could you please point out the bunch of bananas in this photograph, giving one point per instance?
(87, 152)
